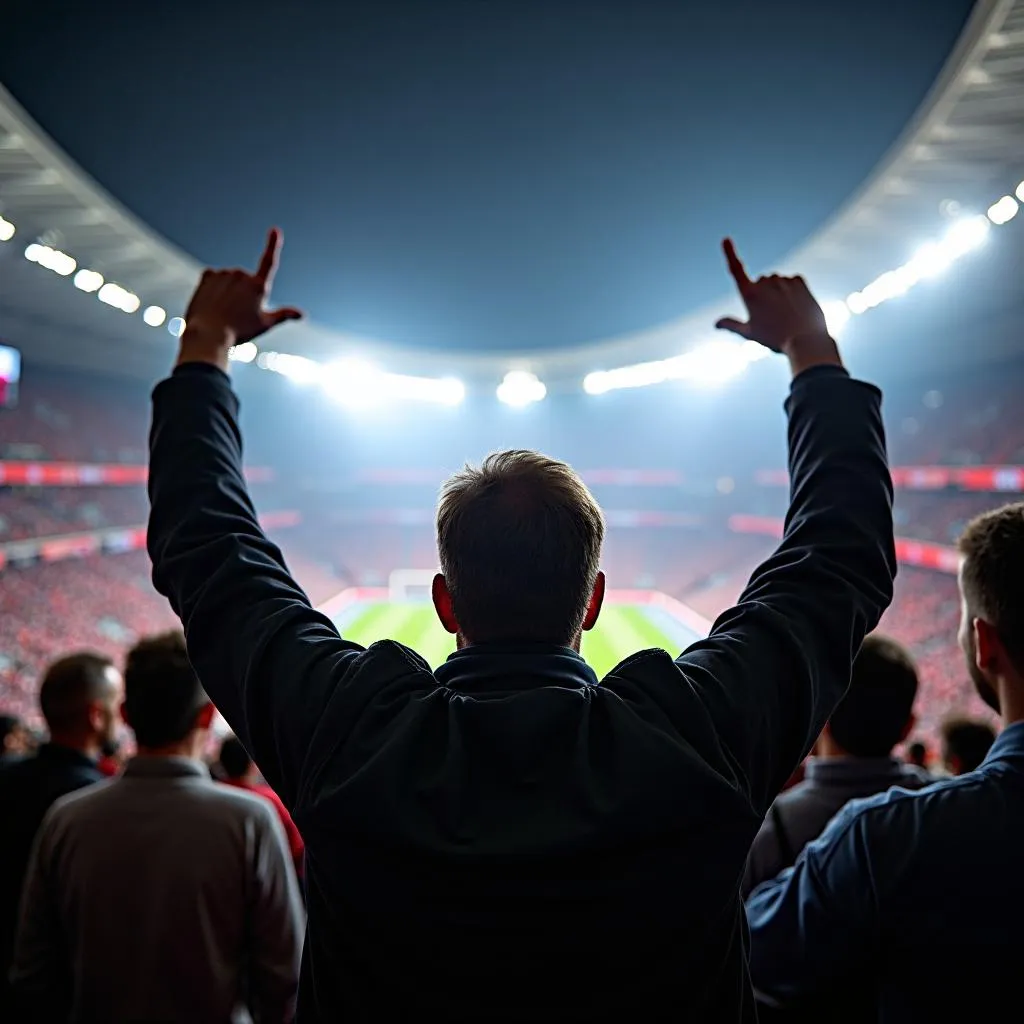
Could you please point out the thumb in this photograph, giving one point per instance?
(727, 323)
(274, 317)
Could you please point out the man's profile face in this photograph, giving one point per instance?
(968, 645)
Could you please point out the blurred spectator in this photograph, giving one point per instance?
(239, 770)
(79, 696)
(917, 754)
(853, 758)
(160, 895)
(898, 881)
(15, 739)
(965, 744)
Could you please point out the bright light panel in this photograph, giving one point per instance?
(521, 388)
(7, 230)
(154, 316)
(1003, 210)
(118, 297)
(88, 280)
(244, 353)
(53, 259)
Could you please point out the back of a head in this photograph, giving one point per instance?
(162, 691)
(519, 541)
(876, 711)
(234, 758)
(69, 687)
(965, 743)
(992, 574)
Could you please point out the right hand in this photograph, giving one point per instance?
(780, 310)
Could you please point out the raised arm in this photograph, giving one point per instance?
(777, 663)
(268, 660)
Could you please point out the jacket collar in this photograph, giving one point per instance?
(514, 667)
(165, 768)
(1009, 745)
(54, 752)
(843, 771)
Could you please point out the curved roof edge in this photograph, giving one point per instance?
(960, 123)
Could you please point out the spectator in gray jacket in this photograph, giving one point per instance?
(853, 758)
(160, 895)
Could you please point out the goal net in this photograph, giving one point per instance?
(410, 584)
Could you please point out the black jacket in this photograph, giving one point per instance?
(508, 838)
(28, 786)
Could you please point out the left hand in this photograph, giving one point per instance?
(228, 308)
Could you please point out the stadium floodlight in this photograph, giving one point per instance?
(7, 230)
(1003, 210)
(1019, 191)
(856, 303)
(50, 258)
(118, 297)
(88, 280)
(244, 353)
(966, 234)
(154, 316)
(520, 388)
(439, 390)
(358, 384)
(176, 326)
(837, 316)
(713, 362)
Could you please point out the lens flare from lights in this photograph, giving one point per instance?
(176, 326)
(7, 230)
(520, 388)
(154, 316)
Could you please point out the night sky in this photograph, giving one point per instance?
(481, 174)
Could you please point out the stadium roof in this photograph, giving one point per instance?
(960, 152)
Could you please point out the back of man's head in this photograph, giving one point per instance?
(965, 743)
(71, 688)
(519, 541)
(877, 711)
(234, 758)
(162, 694)
(992, 588)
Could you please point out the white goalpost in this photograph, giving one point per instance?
(405, 585)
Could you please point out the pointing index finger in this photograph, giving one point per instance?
(268, 261)
(736, 268)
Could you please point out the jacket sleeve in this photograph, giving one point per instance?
(276, 921)
(776, 664)
(815, 922)
(40, 974)
(268, 660)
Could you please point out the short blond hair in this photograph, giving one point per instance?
(519, 540)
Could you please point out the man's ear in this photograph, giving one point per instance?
(596, 600)
(204, 716)
(987, 647)
(442, 599)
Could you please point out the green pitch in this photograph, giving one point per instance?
(622, 630)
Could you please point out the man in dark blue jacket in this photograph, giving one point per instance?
(508, 838)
